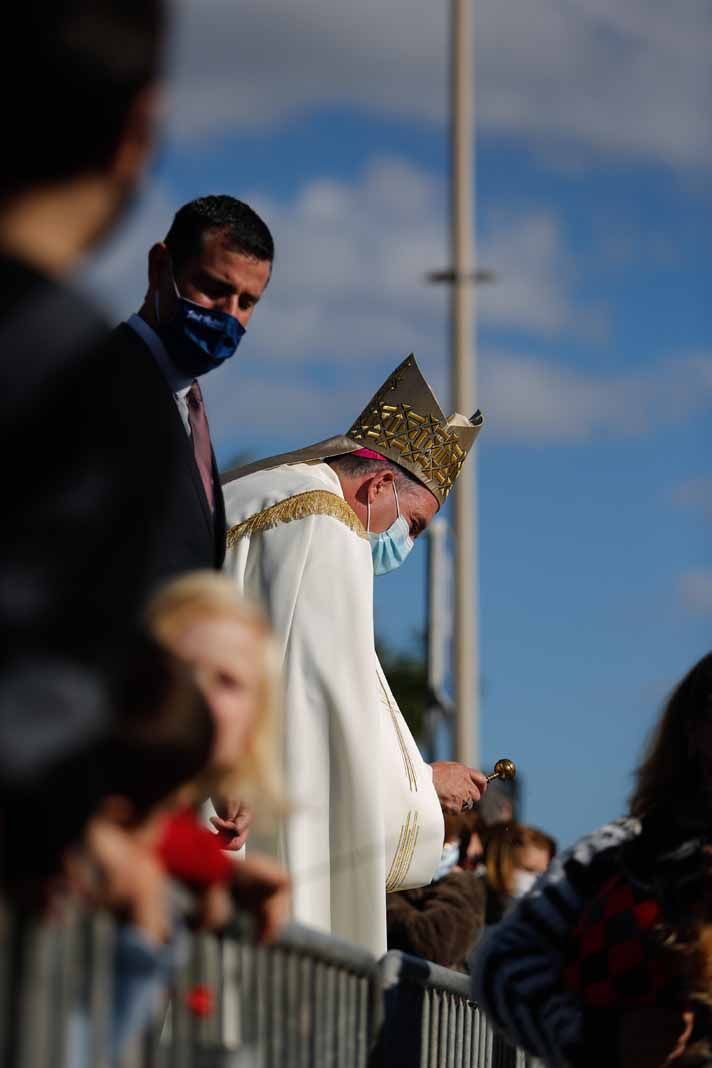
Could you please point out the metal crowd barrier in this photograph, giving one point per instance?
(431, 1021)
(309, 1001)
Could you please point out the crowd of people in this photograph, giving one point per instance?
(189, 689)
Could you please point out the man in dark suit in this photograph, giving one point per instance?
(205, 280)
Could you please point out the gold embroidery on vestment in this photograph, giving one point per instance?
(405, 851)
(301, 506)
(407, 761)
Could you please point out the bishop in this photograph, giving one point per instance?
(307, 532)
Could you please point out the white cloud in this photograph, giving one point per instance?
(255, 410)
(352, 260)
(524, 398)
(695, 494)
(630, 78)
(527, 398)
(695, 590)
(349, 293)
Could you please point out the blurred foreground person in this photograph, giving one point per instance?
(74, 541)
(308, 530)
(54, 721)
(158, 748)
(205, 280)
(230, 649)
(440, 922)
(514, 857)
(83, 796)
(608, 960)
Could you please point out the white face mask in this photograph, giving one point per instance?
(448, 859)
(523, 882)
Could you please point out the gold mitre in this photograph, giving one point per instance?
(404, 423)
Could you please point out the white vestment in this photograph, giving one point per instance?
(365, 818)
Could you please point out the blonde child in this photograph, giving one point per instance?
(227, 642)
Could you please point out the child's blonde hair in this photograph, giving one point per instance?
(205, 595)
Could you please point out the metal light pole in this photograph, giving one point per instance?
(465, 644)
(439, 706)
(437, 606)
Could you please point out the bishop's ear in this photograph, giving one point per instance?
(381, 482)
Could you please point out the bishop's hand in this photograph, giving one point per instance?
(457, 786)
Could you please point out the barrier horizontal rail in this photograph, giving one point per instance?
(431, 1021)
(308, 1001)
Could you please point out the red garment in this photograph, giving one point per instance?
(191, 853)
(614, 958)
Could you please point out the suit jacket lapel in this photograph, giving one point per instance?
(186, 457)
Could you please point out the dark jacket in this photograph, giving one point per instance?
(519, 970)
(88, 459)
(440, 922)
(187, 536)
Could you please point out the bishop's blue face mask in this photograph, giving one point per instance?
(389, 548)
(199, 339)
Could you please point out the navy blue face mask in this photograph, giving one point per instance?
(199, 339)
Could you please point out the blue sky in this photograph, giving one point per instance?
(595, 344)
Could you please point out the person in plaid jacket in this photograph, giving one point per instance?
(607, 959)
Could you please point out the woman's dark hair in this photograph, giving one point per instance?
(245, 230)
(164, 730)
(675, 776)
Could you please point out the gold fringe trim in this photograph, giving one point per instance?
(301, 506)
(405, 851)
(407, 761)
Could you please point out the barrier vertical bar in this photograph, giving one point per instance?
(445, 1025)
(467, 1023)
(363, 1035)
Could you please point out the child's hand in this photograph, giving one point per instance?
(653, 1037)
(232, 822)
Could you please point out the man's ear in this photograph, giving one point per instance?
(379, 483)
(156, 264)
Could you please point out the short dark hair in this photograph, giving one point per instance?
(360, 466)
(245, 230)
(86, 61)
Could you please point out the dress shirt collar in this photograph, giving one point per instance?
(179, 382)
